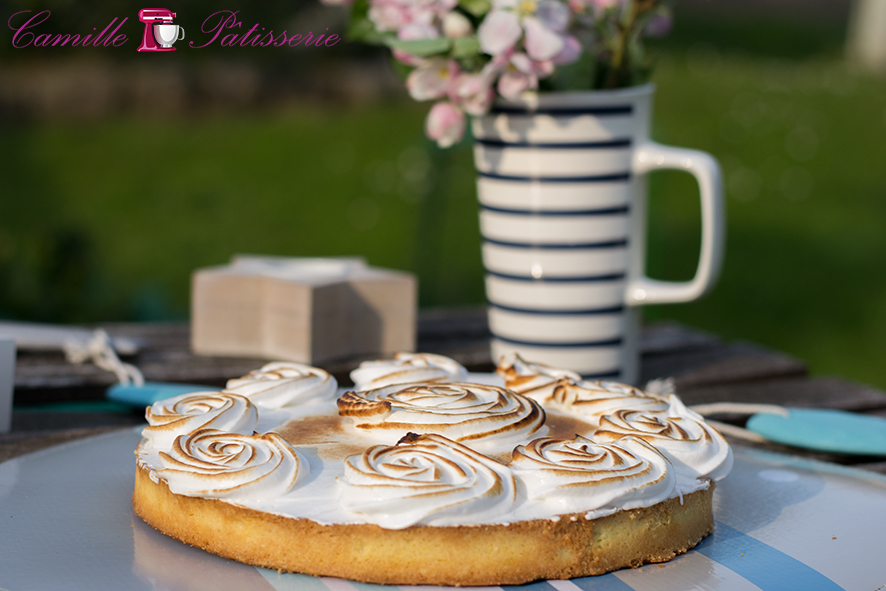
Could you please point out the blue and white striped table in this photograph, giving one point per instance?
(782, 523)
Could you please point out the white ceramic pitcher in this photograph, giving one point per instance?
(562, 190)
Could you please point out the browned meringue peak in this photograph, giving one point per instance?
(282, 383)
(581, 474)
(427, 480)
(694, 448)
(593, 399)
(180, 415)
(407, 368)
(534, 380)
(214, 464)
(489, 417)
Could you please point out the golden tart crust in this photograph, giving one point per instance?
(497, 554)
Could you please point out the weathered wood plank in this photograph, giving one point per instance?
(670, 337)
(835, 393)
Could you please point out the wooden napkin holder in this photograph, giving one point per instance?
(302, 309)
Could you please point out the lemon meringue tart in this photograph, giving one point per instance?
(437, 482)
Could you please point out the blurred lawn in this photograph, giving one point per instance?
(107, 221)
(802, 146)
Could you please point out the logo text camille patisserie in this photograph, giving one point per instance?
(24, 37)
(224, 27)
(216, 23)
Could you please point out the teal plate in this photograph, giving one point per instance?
(833, 431)
(151, 392)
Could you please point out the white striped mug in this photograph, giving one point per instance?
(562, 190)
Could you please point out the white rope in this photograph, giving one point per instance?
(739, 408)
(667, 386)
(737, 432)
(99, 350)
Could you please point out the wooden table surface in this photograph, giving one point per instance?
(56, 401)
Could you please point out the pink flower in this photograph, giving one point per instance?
(659, 25)
(580, 6)
(407, 58)
(432, 79)
(571, 52)
(542, 24)
(499, 32)
(445, 124)
(418, 30)
(521, 74)
(589, 10)
(605, 4)
(388, 15)
(394, 15)
(439, 77)
(455, 25)
(473, 93)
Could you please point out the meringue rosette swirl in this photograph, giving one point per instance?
(218, 465)
(425, 480)
(593, 399)
(281, 384)
(407, 368)
(534, 380)
(694, 448)
(180, 415)
(581, 475)
(484, 416)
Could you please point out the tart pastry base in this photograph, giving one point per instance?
(565, 547)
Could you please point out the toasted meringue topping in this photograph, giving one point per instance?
(534, 380)
(407, 368)
(694, 448)
(579, 474)
(445, 476)
(280, 384)
(593, 399)
(427, 480)
(219, 465)
(183, 414)
(486, 416)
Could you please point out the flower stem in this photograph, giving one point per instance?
(619, 66)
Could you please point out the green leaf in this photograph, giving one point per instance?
(364, 30)
(360, 28)
(465, 46)
(420, 47)
(476, 7)
(359, 12)
(400, 69)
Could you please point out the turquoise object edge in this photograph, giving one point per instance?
(151, 392)
(826, 430)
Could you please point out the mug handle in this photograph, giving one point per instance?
(182, 31)
(652, 156)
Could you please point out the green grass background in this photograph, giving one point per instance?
(106, 221)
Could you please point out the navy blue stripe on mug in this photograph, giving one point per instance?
(601, 178)
(622, 243)
(583, 312)
(607, 343)
(614, 143)
(585, 279)
(600, 111)
(557, 213)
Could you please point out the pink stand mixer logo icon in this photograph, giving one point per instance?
(160, 33)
